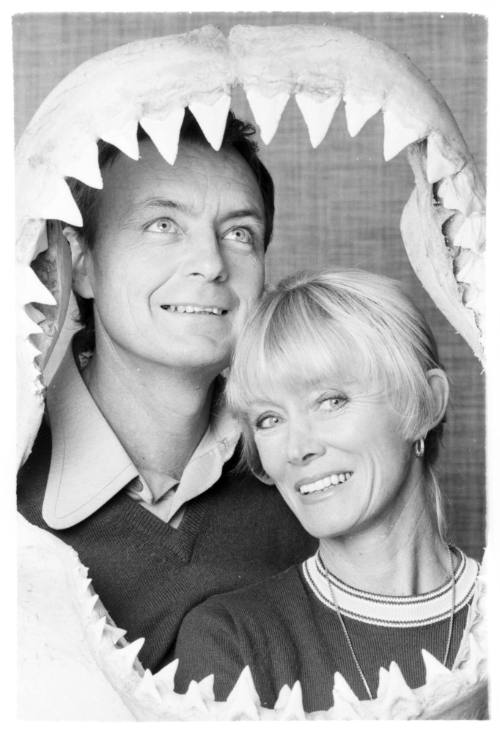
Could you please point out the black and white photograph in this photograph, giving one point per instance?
(252, 359)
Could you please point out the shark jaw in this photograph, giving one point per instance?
(150, 83)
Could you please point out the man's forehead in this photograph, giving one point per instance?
(151, 176)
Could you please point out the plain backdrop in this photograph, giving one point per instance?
(338, 205)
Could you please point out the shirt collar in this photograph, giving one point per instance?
(89, 465)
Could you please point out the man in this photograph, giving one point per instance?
(134, 464)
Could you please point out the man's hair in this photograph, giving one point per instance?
(348, 324)
(237, 135)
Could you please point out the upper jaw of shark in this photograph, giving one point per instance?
(150, 83)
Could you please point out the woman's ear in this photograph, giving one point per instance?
(440, 388)
(80, 262)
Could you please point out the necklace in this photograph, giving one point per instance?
(348, 639)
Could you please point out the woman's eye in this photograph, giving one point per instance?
(266, 421)
(332, 403)
(163, 226)
(239, 234)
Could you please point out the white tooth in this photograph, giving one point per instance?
(469, 268)
(341, 687)
(96, 629)
(457, 192)
(335, 480)
(291, 707)
(472, 233)
(31, 351)
(317, 113)
(165, 132)
(439, 165)
(358, 110)
(398, 133)
(123, 137)
(243, 701)
(126, 656)
(84, 163)
(27, 326)
(433, 668)
(115, 632)
(189, 309)
(30, 288)
(56, 202)
(267, 111)
(400, 701)
(206, 687)
(474, 298)
(180, 309)
(283, 697)
(147, 688)
(164, 678)
(383, 682)
(89, 604)
(212, 118)
(193, 699)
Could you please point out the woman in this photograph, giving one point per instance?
(337, 382)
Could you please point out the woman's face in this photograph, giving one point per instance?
(337, 455)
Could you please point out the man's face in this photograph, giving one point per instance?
(178, 260)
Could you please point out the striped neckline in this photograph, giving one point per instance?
(399, 611)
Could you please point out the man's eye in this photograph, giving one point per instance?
(239, 234)
(163, 226)
(264, 422)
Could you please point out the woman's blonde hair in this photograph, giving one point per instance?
(347, 324)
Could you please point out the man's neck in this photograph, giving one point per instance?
(159, 414)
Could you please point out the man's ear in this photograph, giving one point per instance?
(440, 388)
(80, 261)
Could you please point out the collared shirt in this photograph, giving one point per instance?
(89, 465)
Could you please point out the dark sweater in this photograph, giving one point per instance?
(149, 574)
(283, 632)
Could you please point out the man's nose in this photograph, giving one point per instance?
(205, 259)
(303, 444)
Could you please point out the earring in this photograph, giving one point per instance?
(419, 447)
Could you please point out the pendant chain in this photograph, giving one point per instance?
(348, 639)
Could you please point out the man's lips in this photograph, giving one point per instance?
(194, 309)
(314, 485)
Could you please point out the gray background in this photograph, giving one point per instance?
(337, 205)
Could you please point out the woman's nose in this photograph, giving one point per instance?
(304, 445)
(205, 260)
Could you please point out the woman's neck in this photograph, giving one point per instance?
(403, 555)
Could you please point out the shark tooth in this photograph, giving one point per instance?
(398, 133)
(474, 298)
(27, 325)
(457, 192)
(147, 688)
(115, 632)
(123, 137)
(289, 704)
(125, 657)
(164, 132)
(317, 113)
(439, 165)
(193, 698)
(383, 681)
(206, 687)
(243, 701)
(89, 604)
(398, 700)
(96, 629)
(55, 201)
(83, 164)
(476, 663)
(358, 110)
(32, 352)
(164, 678)
(433, 668)
(472, 233)
(212, 118)
(267, 111)
(469, 268)
(342, 688)
(31, 289)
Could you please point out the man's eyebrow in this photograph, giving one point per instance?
(166, 204)
(242, 213)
